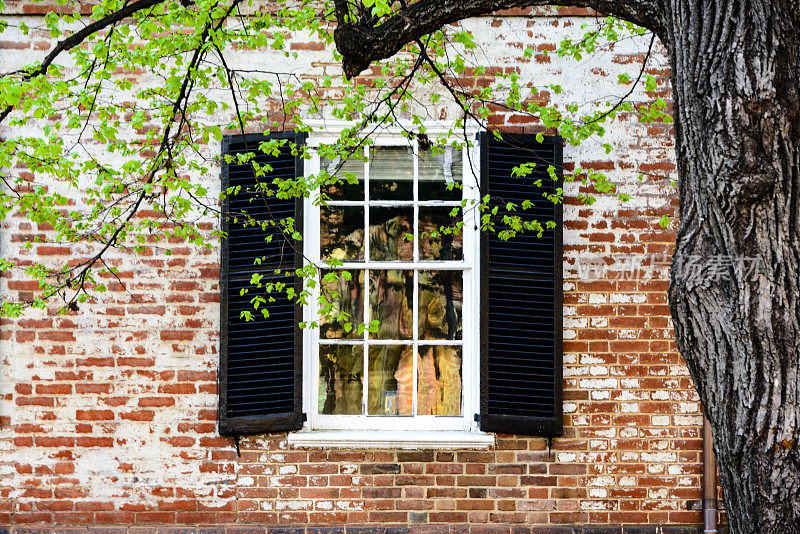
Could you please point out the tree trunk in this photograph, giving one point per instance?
(735, 289)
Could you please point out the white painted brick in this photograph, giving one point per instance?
(631, 383)
(687, 420)
(629, 407)
(567, 457)
(598, 383)
(601, 481)
(598, 370)
(660, 457)
(660, 420)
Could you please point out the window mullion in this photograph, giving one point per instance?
(366, 207)
(415, 224)
(312, 251)
(415, 353)
(415, 292)
(367, 318)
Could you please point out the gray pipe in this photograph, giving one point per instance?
(709, 481)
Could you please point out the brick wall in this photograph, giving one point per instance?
(107, 415)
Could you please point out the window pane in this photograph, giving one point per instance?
(440, 238)
(352, 168)
(439, 383)
(391, 372)
(345, 304)
(440, 300)
(391, 234)
(391, 173)
(390, 301)
(341, 233)
(440, 174)
(341, 378)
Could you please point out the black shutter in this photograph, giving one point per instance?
(260, 376)
(521, 284)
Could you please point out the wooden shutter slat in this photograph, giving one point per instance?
(260, 384)
(521, 323)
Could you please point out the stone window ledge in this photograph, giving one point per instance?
(391, 439)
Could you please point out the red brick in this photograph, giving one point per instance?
(56, 336)
(138, 415)
(177, 335)
(53, 389)
(93, 388)
(54, 441)
(34, 401)
(94, 415)
(88, 441)
(150, 402)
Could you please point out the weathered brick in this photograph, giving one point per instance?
(119, 398)
(378, 469)
(415, 456)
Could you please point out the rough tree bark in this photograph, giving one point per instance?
(736, 78)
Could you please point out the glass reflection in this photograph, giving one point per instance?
(390, 300)
(345, 304)
(390, 390)
(440, 303)
(341, 378)
(350, 174)
(439, 380)
(440, 174)
(391, 234)
(391, 173)
(341, 233)
(440, 236)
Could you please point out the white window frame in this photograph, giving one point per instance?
(416, 431)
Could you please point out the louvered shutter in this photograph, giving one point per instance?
(260, 384)
(521, 335)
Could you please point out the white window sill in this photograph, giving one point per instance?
(391, 439)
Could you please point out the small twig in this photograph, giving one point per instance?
(633, 87)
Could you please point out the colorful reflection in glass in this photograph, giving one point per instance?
(341, 379)
(390, 390)
(344, 310)
(440, 235)
(440, 303)
(341, 233)
(391, 234)
(390, 301)
(439, 380)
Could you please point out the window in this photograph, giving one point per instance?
(469, 327)
(408, 254)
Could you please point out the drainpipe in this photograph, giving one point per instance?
(709, 481)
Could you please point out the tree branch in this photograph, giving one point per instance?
(178, 105)
(361, 43)
(631, 90)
